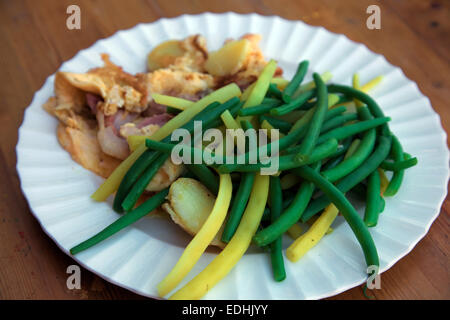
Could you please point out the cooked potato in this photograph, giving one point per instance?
(228, 59)
(190, 204)
(164, 54)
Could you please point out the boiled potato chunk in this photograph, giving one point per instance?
(190, 204)
(228, 59)
(164, 54)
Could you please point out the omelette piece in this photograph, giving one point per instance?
(118, 88)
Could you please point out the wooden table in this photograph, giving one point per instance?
(34, 41)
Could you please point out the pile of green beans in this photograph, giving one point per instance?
(314, 147)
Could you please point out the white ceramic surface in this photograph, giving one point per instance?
(136, 258)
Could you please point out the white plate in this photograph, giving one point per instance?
(138, 257)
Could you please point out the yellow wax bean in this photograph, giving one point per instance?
(356, 85)
(247, 92)
(135, 141)
(229, 121)
(261, 85)
(266, 125)
(295, 231)
(174, 102)
(311, 237)
(231, 124)
(371, 84)
(281, 83)
(351, 150)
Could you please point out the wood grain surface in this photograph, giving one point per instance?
(34, 41)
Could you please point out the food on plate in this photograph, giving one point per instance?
(189, 203)
(326, 141)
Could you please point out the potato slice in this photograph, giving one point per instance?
(228, 59)
(164, 54)
(190, 204)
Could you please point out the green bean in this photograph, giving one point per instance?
(132, 176)
(259, 109)
(266, 214)
(320, 152)
(310, 139)
(397, 176)
(344, 99)
(251, 139)
(276, 204)
(296, 103)
(333, 162)
(238, 206)
(123, 222)
(341, 150)
(309, 105)
(143, 181)
(282, 125)
(372, 200)
(347, 210)
(270, 100)
(348, 182)
(364, 98)
(362, 152)
(338, 121)
(360, 190)
(287, 200)
(336, 111)
(328, 118)
(274, 91)
(295, 81)
(399, 165)
(172, 110)
(285, 162)
(205, 175)
(289, 216)
(234, 109)
(352, 129)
